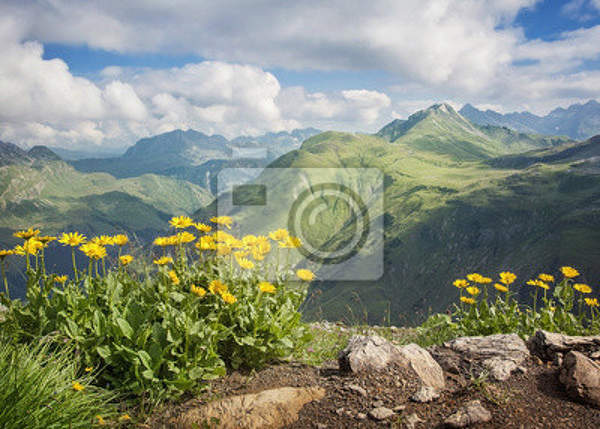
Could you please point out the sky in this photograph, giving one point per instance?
(90, 74)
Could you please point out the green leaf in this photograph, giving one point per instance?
(145, 359)
(125, 327)
(103, 352)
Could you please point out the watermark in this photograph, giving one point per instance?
(337, 213)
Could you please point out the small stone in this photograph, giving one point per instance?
(472, 413)
(378, 404)
(522, 369)
(357, 389)
(399, 408)
(411, 421)
(321, 426)
(425, 394)
(361, 416)
(339, 411)
(381, 413)
(558, 359)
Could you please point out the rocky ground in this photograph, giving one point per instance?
(552, 381)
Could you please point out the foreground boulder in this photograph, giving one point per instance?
(471, 414)
(375, 353)
(270, 409)
(581, 378)
(549, 346)
(499, 354)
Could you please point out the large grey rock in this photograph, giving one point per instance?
(472, 413)
(499, 354)
(421, 362)
(550, 346)
(269, 409)
(375, 353)
(581, 378)
(367, 353)
(411, 421)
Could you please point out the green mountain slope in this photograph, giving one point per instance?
(452, 205)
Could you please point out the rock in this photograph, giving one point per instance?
(271, 409)
(381, 413)
(581, 378)
(321, 426)
(339, 411)
(425, 394)
(361, 416)
(411, 421)
(546, 345)
(499, 354)
(378, 404)
(472, 413)
(375, 353)
(399, 408)
(427, 369)
(357, 389)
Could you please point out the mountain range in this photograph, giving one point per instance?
(578, 121)
(459, 197)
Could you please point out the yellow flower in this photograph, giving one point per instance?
(45, 239)
(249, 240)
(196, 290)
(125, 417)
(217, 287)
(222, 220)
(266, 287)
(27, 234)
(223, 236)
(228, 298)
(206, 242)
(290, 243)
(101, 421)
(78, 386)
(467, 300)
(18, 250)
(163, 261)
(72, 239)
(93, 250)
(202, 227)
(173, 277)
(103, 240)
(538, 283)
(89, 369)
(125, 260)
(245, 263)
(223, 249)
(569, 272)
(162, 241)
(263, 245)
(478, 278)
(582, 287)
(181, 222)
(257, 255)
(473, 290)
(61, 279)
(120, 240)
(592, 302)
(32, 246)
(185, 237)
(460, 283)
(305, 275)
(546, 278)
(500, 287)
(5, 253)
(507, 278)
(279, 234)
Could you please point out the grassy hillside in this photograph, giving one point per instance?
(453, 204)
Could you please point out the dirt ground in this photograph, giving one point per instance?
(534, 399)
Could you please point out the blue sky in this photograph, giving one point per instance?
(109, 72)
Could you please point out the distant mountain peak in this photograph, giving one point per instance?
(43, 153)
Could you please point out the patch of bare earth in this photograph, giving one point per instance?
(534, 399)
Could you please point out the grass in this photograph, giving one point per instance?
(36, 389)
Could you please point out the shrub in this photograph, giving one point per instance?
(42, 388)
(176, 322)
(566, 308)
